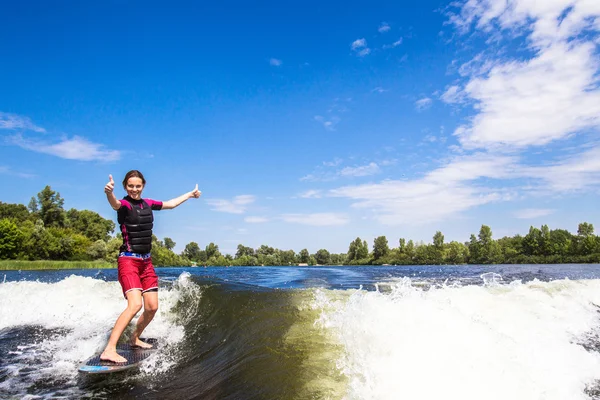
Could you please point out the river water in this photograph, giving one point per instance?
(382, 332)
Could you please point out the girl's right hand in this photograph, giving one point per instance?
(110, 186)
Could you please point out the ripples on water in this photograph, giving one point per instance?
(518, 332)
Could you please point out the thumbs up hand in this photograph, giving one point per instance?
(196, 193)
(110, 186)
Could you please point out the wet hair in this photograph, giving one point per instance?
(134, 173)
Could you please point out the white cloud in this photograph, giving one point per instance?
(552, 95)
(364, 170)
(336, 161)
(570, 174)
(395, 44)
(316, 219)
(358, 43)
(275, 62)
(256, 220)
(327, 173)
(364, 52)
(328, 123)
(311, 194)
(309, 178)
(531, 213)
(8, 171)
(76, 148)
(468, 181)
(360, 47)
(384, 27)
(441, 194)
(15, 122)
(423, 103)
(388, 162)
(379, 89)
(430, 138)
(453, 94)
(238, 205)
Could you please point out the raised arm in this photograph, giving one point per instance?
(167, 205)
(110, 196)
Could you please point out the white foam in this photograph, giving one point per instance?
(516, 341)
(85, 309)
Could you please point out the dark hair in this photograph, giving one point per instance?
(134, 173)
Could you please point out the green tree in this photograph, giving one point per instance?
(18, 212)
(402, 246)
(246, 260)
(362, 252)
(287, 257)
(90, 224)
(192, 251)
(79, 247)
(586, 241)
(33, 206)
(61, 245)
(511, 248)
(265, 250)
(474, 250)
(358, 250)
(585, 229)
(560, 242)
(438, 245)
(426, 254)
(11, 239)
(38, 242)
(410, 250)
(51, 209)
(244, 251)
(438, 240)
(380, 247)
(323, 257)
(163, 257)
(269, 259)
(489, 251)
(304, 256)
(112, 248)
(352, 250)
(457, 253)
(212, 250)
(97, 250)
(532, 242)
(587, 245)
(169, 243)
(338, 259)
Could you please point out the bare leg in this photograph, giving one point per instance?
(150, 307)
(134, 304)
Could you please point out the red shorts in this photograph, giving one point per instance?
(136, 274)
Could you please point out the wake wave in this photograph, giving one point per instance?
(221, 340)
(515, 341)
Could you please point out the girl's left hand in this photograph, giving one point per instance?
(196, 193)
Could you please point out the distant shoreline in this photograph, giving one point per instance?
(12, 265)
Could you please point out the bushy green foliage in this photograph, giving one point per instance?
(44, 231)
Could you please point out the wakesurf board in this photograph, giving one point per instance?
(134, 355)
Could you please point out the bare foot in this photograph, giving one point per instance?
(139, 343)
(108, 355)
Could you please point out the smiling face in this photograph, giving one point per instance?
(134, 187)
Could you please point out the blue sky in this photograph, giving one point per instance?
(309, 124)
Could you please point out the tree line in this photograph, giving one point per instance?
(44, 230)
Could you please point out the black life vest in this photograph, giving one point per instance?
(136, 226)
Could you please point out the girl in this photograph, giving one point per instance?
(136, 272)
